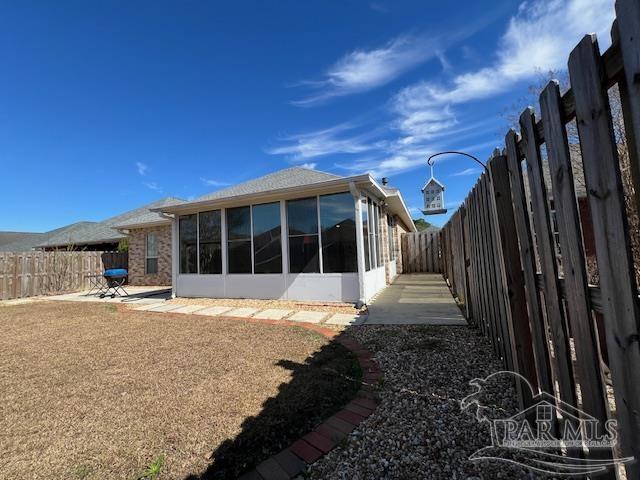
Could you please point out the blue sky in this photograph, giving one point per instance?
(106, 106)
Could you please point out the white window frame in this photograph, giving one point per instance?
(146, 253)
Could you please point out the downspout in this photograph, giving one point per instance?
(174, 256)
(359, 243)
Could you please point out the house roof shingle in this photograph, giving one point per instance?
(286, 178)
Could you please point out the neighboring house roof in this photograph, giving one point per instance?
(7, 238)
(82, 233)
(36, 239)
(107, 231)
(292, 182)
(289, 177)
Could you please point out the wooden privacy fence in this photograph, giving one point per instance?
(26, 274)
(524, 282)
(421, 252)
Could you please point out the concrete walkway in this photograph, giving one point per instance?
(415, 299)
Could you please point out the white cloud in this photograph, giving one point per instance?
(467, 172)
(152, 186)
(362, 70)
(538, 38)
(213, 183)
(309, 165)
(142, 168)
(309, 145)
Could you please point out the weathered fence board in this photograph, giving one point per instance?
(516, 299)
(27, 274)
(421, 252)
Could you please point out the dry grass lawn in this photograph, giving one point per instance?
(93, 391)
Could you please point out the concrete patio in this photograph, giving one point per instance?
(138, 295)
(415, 299)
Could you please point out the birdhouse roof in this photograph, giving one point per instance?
(432, 180)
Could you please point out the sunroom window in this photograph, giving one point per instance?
(302, 218)
(338, 225)
(188, 234)
(210, 242)
(239, 239)
(267, 242)
(378, 236)
(365, 234)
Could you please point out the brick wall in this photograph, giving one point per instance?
(137, 249)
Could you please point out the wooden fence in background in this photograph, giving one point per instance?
(421, 252)
(525, 282)
(27, 274)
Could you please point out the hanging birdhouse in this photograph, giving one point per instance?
(433, 192)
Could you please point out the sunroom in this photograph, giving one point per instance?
(296, 234)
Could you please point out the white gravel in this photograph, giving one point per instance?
(418, 431)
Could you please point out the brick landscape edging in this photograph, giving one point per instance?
(293, 460)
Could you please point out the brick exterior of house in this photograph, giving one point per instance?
(137, 256)
(398, 230)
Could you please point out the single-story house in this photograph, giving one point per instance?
(295, 234)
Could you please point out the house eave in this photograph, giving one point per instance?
(134, 226)
(334, 185)
(363, 182)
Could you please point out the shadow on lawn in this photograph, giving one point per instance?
(319, 387)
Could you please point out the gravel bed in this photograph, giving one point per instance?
(419, 430)
(331, 307)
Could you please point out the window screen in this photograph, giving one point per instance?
(210, 242)
(338, 226)
(188, 238)
(239, 240)
(267, 242)
(302, 219)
